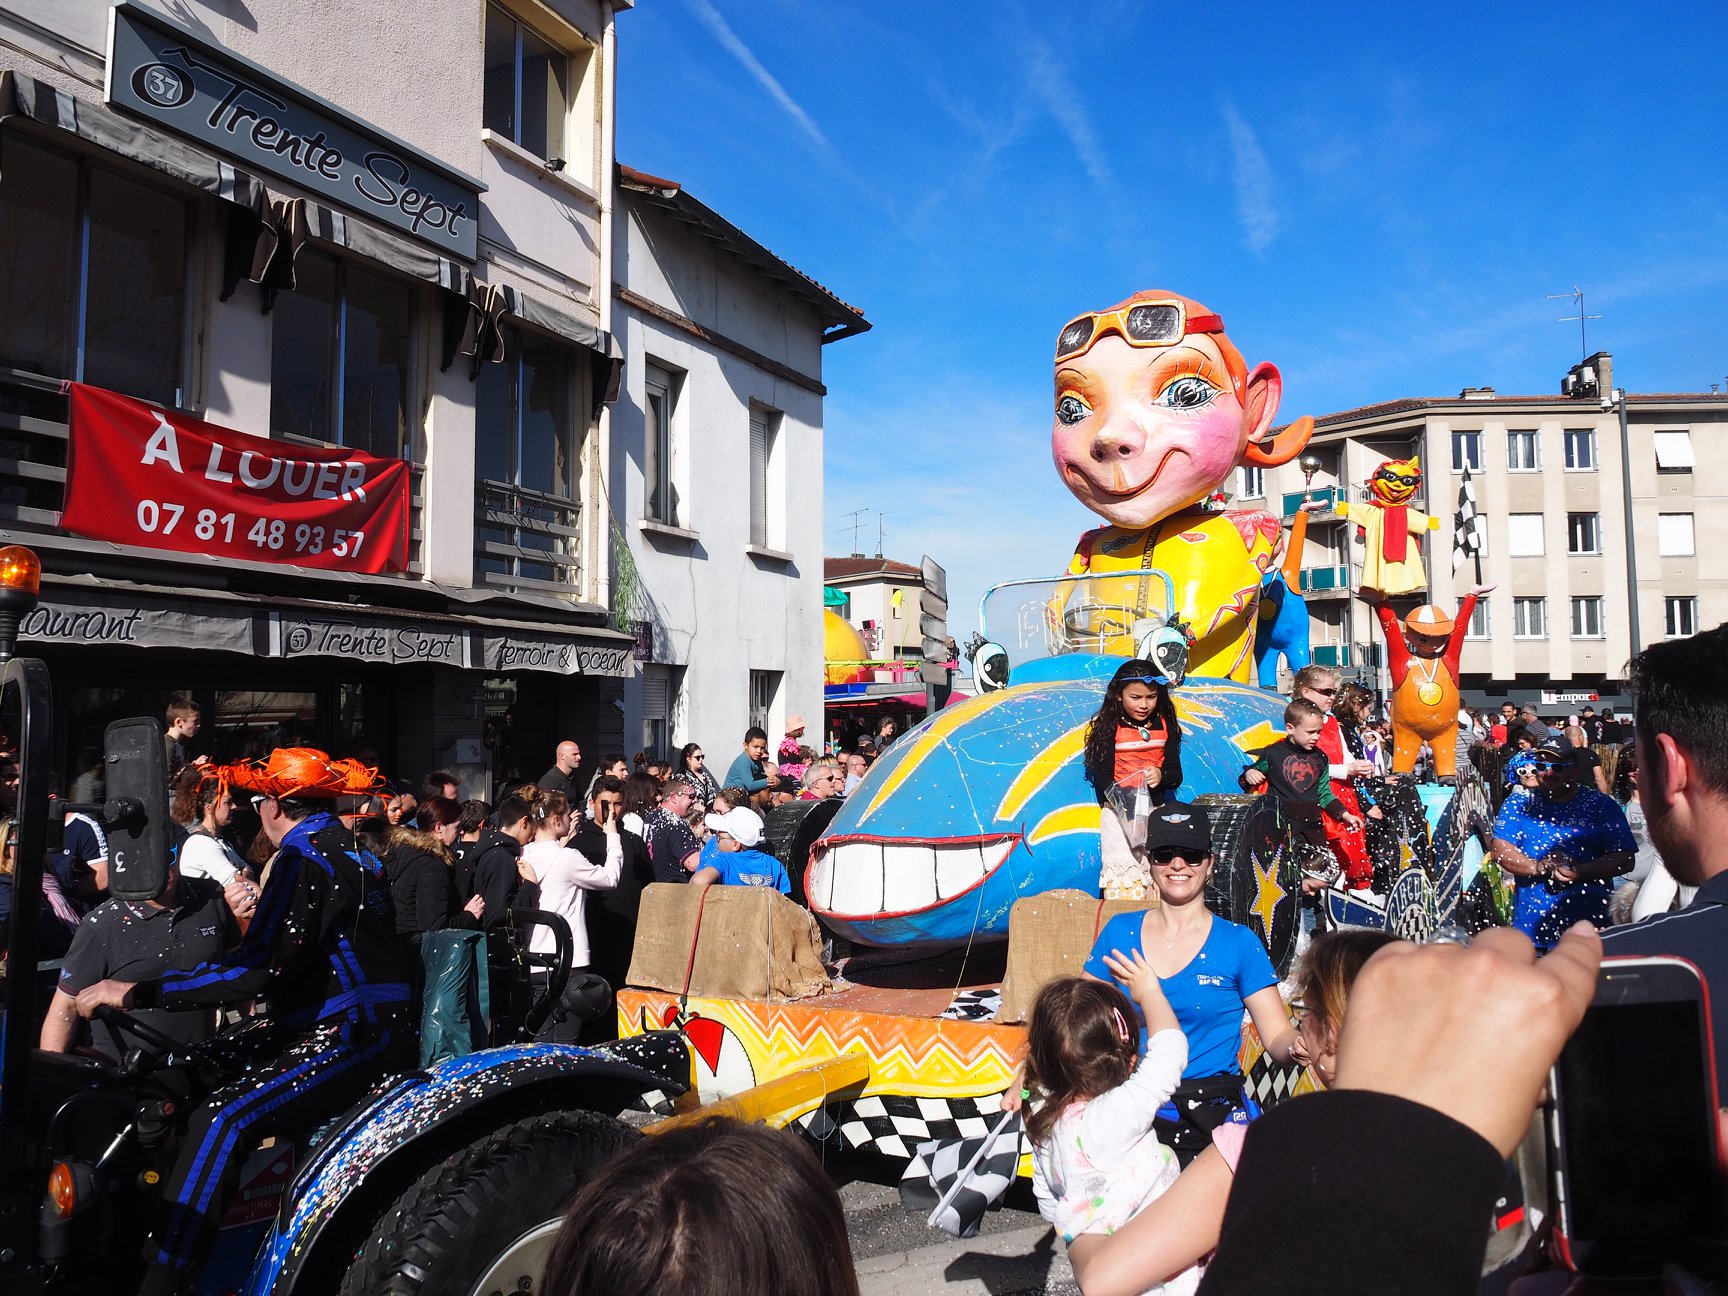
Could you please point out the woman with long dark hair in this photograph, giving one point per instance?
(420, 867)
(693, 765)
(1133, 759)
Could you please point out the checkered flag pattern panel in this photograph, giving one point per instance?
(1469, 527)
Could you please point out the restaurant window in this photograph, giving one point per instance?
(341, 362)
(525, 457)
(528, 79)
(93, 274)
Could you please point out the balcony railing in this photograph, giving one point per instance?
(34, 436)
(1322, 580)
(1333, 655)
(1327, 495)
(525, 539)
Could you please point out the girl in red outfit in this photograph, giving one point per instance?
(1133, 760)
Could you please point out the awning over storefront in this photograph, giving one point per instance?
(24, 96)
(475, 328)
(92, 613)
(265, 228)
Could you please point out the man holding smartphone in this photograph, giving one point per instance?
(1680, 716)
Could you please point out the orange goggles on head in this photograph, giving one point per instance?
(1157, 323)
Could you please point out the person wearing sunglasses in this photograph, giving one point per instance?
(1391, 530)
(1211, 971)
(693, 764)
(1154, 410)
(1564, 844)
(1133, 759)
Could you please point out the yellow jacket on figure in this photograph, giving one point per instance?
(1392, 560)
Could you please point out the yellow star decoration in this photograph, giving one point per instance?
(1268, 891)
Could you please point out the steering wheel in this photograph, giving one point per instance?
(164, 1049)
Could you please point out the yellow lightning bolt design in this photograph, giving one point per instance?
(1040, 770)
(1261, 735)
(932, 738)
(1268, 891)
(1069, 819)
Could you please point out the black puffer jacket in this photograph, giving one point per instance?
(418, 867)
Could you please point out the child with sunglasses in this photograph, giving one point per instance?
(1133, 759)
(1096, 1159)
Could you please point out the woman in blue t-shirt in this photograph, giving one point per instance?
(1211, 971)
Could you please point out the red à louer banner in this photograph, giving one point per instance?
(140, 476)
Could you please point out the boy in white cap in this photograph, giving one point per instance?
(735, 860)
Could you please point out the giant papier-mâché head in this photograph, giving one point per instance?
(1155, 407)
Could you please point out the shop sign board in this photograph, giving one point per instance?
(101, 620)
(509, 651)
(368, 639)
(139, 476)
(1551, 697)
(167, 74)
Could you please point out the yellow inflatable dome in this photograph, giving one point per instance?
(841, 642)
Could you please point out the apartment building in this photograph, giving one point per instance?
(1587, 496)
(344, 228)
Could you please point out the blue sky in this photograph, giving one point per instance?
(1375, 197)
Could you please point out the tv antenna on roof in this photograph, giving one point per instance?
(1576, 296)
(857, 516)
(880, 514)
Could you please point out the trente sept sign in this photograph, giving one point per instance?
(139, 476)
(168, 75)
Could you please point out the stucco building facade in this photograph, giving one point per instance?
(1553, 484)
(717, 459)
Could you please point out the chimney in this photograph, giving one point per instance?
(1476, 393)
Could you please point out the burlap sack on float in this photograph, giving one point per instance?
(726, 942)
(1050, 935)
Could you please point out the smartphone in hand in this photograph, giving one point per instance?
(1634, 1148)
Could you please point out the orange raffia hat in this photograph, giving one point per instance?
(301, 772)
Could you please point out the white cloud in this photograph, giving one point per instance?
(1050, 84)
(722, 31)
(1253, 183)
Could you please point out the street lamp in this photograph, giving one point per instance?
(20, 584)
(1616, 399)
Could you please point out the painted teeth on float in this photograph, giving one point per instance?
(988, 801)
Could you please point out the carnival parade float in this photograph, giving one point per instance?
(965, 869)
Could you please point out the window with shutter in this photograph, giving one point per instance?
(759, 433)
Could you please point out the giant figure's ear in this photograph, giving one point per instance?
(1260, 396)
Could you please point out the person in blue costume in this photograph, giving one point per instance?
(1564, 844)
(1211, 971)
(735, 860)
(322, 948)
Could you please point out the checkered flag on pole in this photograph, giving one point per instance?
(1468, 527)
(958, 1180)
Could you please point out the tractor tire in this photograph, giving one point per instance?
(483, 1220)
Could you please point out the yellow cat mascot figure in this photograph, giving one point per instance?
(1392, 563)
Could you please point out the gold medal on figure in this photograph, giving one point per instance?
(1428, 692)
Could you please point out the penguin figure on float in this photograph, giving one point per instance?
(986, 801)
